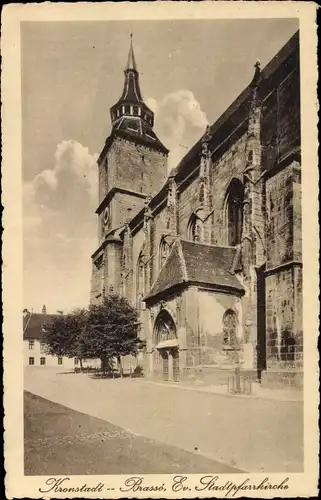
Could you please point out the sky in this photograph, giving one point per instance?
(72, 73)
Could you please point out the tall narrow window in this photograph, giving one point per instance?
(140, 280)
(195, 229)
(42, 361)
(163, 252)
(234, 207)
(229, 328)
(31, 344)
(31, 361)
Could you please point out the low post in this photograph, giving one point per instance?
(238, 373)
(236, 349)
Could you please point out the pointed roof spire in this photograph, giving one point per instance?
(131, 63)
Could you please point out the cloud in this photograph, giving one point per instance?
(179, 122)
(59, 225)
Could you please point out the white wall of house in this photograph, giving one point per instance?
(33, 355)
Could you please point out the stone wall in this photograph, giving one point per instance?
(160, 230)
(138, 241)
(136, 167)
(280, 121)
(188, 203)
(279, 224)
(284, 320)
(97, 280)
(284, 335)
(124, 207)
(204, 328)
(297, 215)
(113, 252)
(102, 180)
(230, 165)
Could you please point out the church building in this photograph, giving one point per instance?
(210, 253)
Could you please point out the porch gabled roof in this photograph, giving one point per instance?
(191, 262)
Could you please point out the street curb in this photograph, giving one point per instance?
(217, 393)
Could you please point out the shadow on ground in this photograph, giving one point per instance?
(58, 440)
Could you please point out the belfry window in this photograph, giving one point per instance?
(234, 208)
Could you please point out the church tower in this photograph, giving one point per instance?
(131, 167)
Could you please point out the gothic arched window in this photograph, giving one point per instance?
(195, 229)
(163, 252)
(234, 207)
(229, 327)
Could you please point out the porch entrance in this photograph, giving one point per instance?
(170, 361)
(166, 350)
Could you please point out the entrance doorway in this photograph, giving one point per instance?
(170, 364)
(166, 350)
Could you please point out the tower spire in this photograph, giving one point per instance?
(130, 115)
(131, 62)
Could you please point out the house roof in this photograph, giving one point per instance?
(191, 262)
(33, 324)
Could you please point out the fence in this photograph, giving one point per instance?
(239, 385)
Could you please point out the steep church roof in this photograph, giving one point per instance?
(191, 262)
(131, 63)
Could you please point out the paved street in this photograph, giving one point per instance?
(254, 435)
(62, 441)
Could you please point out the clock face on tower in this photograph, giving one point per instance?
(106, 216)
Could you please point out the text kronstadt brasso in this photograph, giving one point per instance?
(178, 484)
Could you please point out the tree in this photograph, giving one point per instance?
(61, 335)
(112, 330)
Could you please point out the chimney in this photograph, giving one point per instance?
(25, 313)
